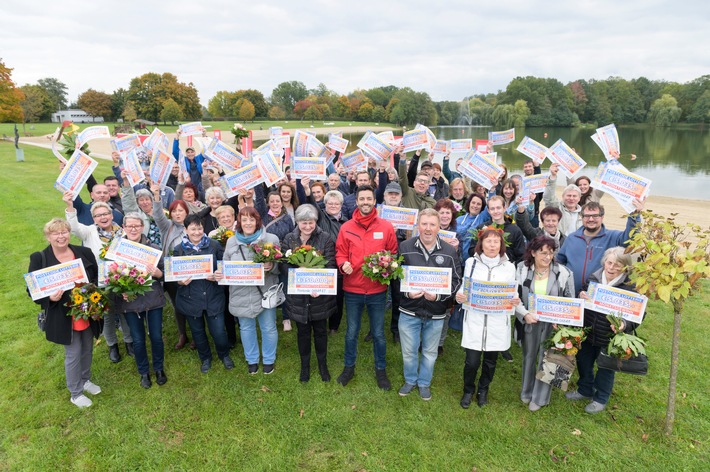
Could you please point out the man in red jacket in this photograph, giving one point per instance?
(364, 234)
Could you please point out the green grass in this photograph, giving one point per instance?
(230, 420)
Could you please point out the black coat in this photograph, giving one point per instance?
(201, 295)
(59, 325)
(601, 332)
(305, 308)
(150, 300)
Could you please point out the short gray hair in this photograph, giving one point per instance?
(133, 216)
(572, 188)
(144, 193)
(617, 253)
(306, 212)
(333, 195)
(214, 191)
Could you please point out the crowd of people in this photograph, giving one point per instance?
(556, 250)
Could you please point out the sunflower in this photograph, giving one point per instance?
(228, 234)
(78, 299)
(95, 297)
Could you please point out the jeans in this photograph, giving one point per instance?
(269, 337)
(354, 305)
(596, 386)
(414, 331)
(77, 360)
(155, 331)
(219, 335)
(109, 331)
(334, 321)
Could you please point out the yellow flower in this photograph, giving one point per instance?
(228, 234)
(95, 297)
(78, 299)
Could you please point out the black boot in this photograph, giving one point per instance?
(466, 400)
(129, 349)
(346, 376)
(160, 377)
(305, 372)
(145, 381)
(482, 397)
(324, 372)
(113, 354)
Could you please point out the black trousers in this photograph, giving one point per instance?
(470, 370)
(320, 341)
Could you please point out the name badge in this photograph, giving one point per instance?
(378, 235)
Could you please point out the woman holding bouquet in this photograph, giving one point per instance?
(76, 335)
(245, 301)
(597, 388)
(147, 307)
(484, 336)
(311, 312)
(538, 274)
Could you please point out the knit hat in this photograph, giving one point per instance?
(393, 187)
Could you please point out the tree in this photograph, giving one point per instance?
(171, 112)
(700, 113)
(37, 105)
(119, 99)
(276, 113)
(56, 91)
(220, 106)
(342, 107)
(670, 270)
(149, 91)
(313, 113)
(129, 113)
(256, 98)
(664, 111)
(10, 97)
(503, 115)
(365, 111)
(521, 113)
(299, 109)
(95, 103)
(412, 108)
(379, 114)
(286, 94)
(246, 110)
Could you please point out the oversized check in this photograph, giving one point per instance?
(44, 282)
(92, 132)
(534, 150)
(132, 253)
(355, 160)
(461, 145)
(241, 273)
(560, 310)
(612, 300)
(307, 281)
(243, 178)
(157, 140)
(615, 179)
(431, 137)
(376, 147)
(132, 165)
(533, 184)
(492, 298)
(607, 138)
(313, 167)
(270, 146)
(192, 129)
(75, 174)
(161, 166)
(301, 143)
(386, 136)
(475, 166)
(441, 147)
(400, 217)
(188, 267)
(283, 141)
(221, 153)
(103, 273)
(570, 163)
(447, 236)
(415, 139)
(270, 167)
(501, 137)
(337, 143)
(275, 131)
(435, 280)
(126, 143)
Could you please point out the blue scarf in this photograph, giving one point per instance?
(248, 239)
(188, 245)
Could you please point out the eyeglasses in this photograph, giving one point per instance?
(336, 203)
(133, 227)
(101, 215)
(59, 233)
(423, 181)
(592, 217)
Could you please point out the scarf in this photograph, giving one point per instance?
(188, 245)
(248, 239)
(114, 231)
(490, 261)
(614, 281)
(366, 220)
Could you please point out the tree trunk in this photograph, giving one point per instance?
(675, 349)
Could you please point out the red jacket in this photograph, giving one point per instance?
(355, 241)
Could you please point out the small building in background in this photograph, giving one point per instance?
(75, 116)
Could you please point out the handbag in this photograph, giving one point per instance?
(556, 369)
(637, 365)
(274, 296)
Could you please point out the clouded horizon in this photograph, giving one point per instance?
(449, 50)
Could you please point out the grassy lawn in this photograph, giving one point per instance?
(231, 420)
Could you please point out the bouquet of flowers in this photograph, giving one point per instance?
(306, 256)
(566, 340)
(622, 345)
(127, 281)
(267, 252)
(239, 131)
(382, 267)
(87, 301)
(104, 249)
(222, 235)
(474, 234)
(68, 139)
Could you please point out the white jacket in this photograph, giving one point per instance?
(482, 332)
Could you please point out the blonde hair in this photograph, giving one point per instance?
(56, 224)
(223, 209)
(97, 205)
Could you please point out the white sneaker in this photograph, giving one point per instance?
(82, 401)
(91, 388)
(287, 325)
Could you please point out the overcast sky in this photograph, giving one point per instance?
(449, 49)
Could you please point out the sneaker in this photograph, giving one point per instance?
(287, 325)
(346, 376)
(507, 355)
(382, 381)
(425, 393)
(206, 366)
(269, 368)
(228, 362)
(91, 387)
(406, 390)
(534, 406)
(594, 408)
(82, 401)
(253, 368)
(574, 395)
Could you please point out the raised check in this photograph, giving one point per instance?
(400, 217)
(132, 253)
(75, 174)
(560, 310)
(308, 281)
(491, 298)
(611, 300)
(570, 163)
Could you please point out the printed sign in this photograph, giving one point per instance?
(376, 147)
(188, 267)
(611, 300)
(534, 150)
(270, 167)
(533, 184)
(192, 129)
(126, 143)
(44, 282)
(242, 179)
(219, 152)
(133, 253)
(355, 160)
(570, 163)
(161, 166)
(615, 179)
(92, 132)
(497, 138)
(475, 166)
(308, 281)
(491, 298)
(313, 167)
(336, 143)
(435, 280)
(607, 138)
(400, 217)
(560, 310)
(242, 273)
(75, 174)
(415, 139)
(132, 166)
(157, 140)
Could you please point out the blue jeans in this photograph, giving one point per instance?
(219, 335)
(155, 331)
(354, 305)
(269, 336)
(596, 386)
(413, 332)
